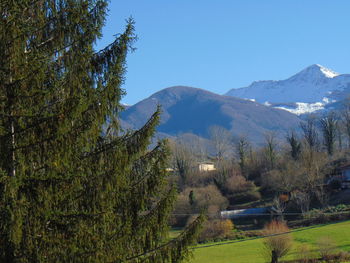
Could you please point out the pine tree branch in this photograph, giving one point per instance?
(186, 237)
(99, 5)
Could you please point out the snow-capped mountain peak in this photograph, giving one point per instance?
(313, 73)
(314, 85)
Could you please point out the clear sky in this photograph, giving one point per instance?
(222, 44)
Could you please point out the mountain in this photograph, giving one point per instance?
(192, 110)
(307, 91)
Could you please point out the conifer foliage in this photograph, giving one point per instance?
(68, 194)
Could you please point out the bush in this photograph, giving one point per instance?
(199, 179)
(317, 216)
(238, 184)
(304, 254)
(239, 190)
(338, 208)
(208, 197)
(338, 257)
(246, 234)
(216, 229)
(326, 247)
(279, 240)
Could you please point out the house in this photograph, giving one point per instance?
(206, 167)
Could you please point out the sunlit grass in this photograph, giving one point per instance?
(252, 250)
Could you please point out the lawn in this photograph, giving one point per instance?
(251, 250)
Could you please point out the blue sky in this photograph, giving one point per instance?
(223, 44)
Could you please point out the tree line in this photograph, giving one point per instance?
(291, 171)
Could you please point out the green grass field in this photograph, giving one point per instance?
(251, 251)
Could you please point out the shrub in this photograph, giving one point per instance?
(343, 256)
(239, 190)
(199, 179)
(208, 197)
(304, 254)
(216, 229)
(317, 216)
(238, 184)
(338, 208)
(279, 240)
(326, 247)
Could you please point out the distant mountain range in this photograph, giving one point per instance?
(313, 89)
(192, 110)
(253, 111)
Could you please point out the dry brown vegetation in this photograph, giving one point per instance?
(278, 241)
(216, 229)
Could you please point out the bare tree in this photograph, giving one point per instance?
(345, 117)
(278, 241)
(183, 160)
(288, 176)
(295, 145)
(279, 206)
(310, 134)
(302, 200)
(199, 148)
(196, 145)
(322, 195)
(221, 139)
(242, 149)
(329, 131)
(313, 165)
(340, 136)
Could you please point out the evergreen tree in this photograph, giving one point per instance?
(68, 194)
(270, 150)
(192, 198)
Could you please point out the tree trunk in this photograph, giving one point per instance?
(274, 257)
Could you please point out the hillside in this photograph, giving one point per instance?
(192, 110)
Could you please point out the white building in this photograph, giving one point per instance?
(206, 167)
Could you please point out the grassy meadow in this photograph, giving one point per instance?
(251, 251)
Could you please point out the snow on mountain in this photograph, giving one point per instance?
(302, 107)
(307, 91)
(327, 72)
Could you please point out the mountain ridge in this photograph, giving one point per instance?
(194, 110)
(309, 90)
